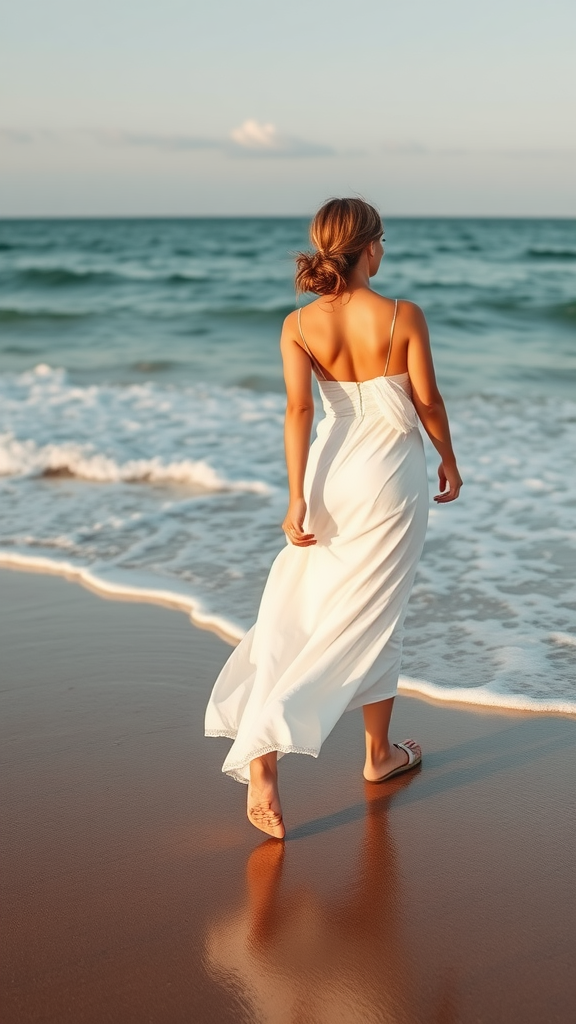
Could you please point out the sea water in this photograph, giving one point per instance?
(141, 410)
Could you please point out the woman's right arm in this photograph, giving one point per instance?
(297, 430)
(428, 401)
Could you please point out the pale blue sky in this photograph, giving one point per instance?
(172, 107)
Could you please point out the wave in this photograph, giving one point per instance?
(61, 277)
(154, 365)
(523, 306)
(485, 696)
(544, 253)
(124, 585)
(564, 311)
(260, 383)
(26, 458)
(21, 350)
(502, 590)
(563, 639)
(122, 588)
(458, 247)
(26, 316)
(274, 311)
(247, 254)
(183, 278)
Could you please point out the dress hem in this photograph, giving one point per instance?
(354, 706)
(234, 769)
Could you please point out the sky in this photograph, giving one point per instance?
(189, 107)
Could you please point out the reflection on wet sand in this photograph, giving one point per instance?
(297, 955)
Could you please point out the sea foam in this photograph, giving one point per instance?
(492, 616)
(26, 458)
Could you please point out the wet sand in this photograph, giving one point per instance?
(133, 889)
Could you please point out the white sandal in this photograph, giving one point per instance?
(413, 760)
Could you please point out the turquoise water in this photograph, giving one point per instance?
(203, 300)
(141, 420)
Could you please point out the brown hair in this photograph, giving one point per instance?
(341, 230)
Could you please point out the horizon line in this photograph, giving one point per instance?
(276, 216)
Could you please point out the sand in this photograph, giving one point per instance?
(134, 890)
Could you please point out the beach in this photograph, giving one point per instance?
(172, 273)
(134, 888)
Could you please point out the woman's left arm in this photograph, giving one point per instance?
(297, 430)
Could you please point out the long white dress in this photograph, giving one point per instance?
(328, 637)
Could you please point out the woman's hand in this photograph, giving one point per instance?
(448, 477)
(293, 523)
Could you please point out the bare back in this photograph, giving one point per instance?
(356, 339)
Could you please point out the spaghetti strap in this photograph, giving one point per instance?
(314, 361)
(391, 337)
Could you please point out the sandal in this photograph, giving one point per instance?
(413, 760)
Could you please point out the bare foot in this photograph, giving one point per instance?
(265, 813)
(264, 809)
(376, 771)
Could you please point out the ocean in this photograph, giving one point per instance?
(141, 410)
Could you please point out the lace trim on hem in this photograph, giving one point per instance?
(227, 733)
(234, 769)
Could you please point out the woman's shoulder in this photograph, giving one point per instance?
(410, 312)
(405, 306)
(290, 325)
(382, 307)
(385, 303)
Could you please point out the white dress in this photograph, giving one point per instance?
(328, 637)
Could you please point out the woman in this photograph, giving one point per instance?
(328, 637)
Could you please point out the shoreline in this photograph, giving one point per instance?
(113, 591)
(231, 634)
(133, 887)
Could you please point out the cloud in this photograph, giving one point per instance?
(251, 139)
(253, 135)
(256, 140)
(151, 140)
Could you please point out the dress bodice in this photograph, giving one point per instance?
(389, 396)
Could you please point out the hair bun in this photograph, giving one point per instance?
(341, 230)
(321, 272)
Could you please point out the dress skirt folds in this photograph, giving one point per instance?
(328, 637)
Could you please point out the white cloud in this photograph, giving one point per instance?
(255, 139)
(253, 135)
(251, 139)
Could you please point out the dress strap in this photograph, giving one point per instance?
(391, 336)
(314, 361)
